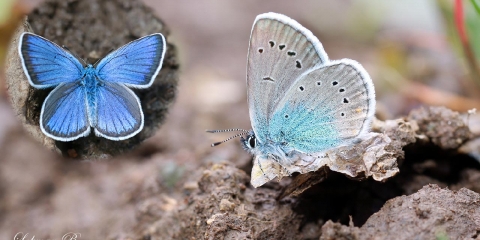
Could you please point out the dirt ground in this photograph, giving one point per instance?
(168, 183)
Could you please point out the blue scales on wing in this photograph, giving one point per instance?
(328, 106)
(64, 114)
(136, 64)
(47, 64)
(118, 112)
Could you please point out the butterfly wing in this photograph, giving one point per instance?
(118, 112)
(64, 115)
(45, 63)
(326, 107)
(136, 64)
(280, 51)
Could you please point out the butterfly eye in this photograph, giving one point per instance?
(252, 142)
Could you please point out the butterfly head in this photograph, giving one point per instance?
(249, 142)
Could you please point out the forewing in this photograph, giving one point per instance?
(326, 107)
(64, 114)
(45, 63)
(280, 51)
(118, 112)
(136, 64)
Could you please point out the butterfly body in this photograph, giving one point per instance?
(91, 96)
(90, 83)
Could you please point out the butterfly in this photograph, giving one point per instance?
(300, 103)
(91, 96)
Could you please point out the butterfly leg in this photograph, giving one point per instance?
(275, 158)
(260, 166)
(311, 156)
(286, 170)
(286, 159)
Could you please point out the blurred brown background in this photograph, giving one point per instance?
(410, 48)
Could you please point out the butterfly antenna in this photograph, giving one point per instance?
(228, 130)
(66, 48)
(98, 60)
(230, 138)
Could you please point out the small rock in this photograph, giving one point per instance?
(226, 205)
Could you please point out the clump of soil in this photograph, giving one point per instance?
(432, 212)
(443, 127)
(222, 206)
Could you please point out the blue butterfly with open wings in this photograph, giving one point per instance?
(86, 97)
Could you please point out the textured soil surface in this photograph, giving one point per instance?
(432, 212)
(174, 186)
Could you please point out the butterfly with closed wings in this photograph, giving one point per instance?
(300, 102)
